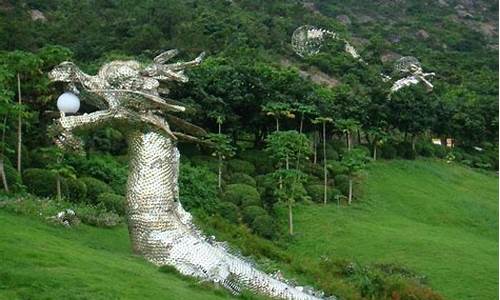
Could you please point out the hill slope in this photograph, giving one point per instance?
(437, 219)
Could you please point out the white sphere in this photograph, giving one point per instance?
(68, 103)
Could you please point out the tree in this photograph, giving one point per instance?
(278, 110)
(58, 167)
(286, 146)
(348, 126)
(6, 107)
(304, 110)
(223, 149)
(324, 121)
(354, 161)
(378, 138)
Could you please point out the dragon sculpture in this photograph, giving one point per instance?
(127, 94)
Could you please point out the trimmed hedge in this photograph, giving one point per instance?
(77, 190)
(315, 191)
(241, 194)
(263, 225)
(342, 184)
(336, 168)
(241, 166)
(260, 159)
(95, 187)
(229, 211)
(42, 182)
(251, 212)
(113, 202)
(242, 178)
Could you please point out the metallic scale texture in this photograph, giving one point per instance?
(160, 229)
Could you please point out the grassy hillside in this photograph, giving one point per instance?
(40, 261)
(437, 219)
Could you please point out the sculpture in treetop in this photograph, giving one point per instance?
(307, 41)
(128, 95)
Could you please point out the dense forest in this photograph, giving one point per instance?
(273, 119)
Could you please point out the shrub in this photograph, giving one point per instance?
(209, 162)
(42, 182)
(313, 169)
(241, 194)
(425, 148)
(241, 166)
(251, 212)
(198, 188)
(336, 168)
(405, 151)
(77, 190)
(13, 177)
(316, 191)
(263, 225)
(388, 151)
(108, 140)
(342, 184)
(331, 153)
(97, 216)
(260, 159)
(103, 167)
(112, 202)
(95, 187)
(243, 178)
(229, 211)
(439, 151)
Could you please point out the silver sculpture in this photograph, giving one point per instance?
(307, 41)
(410, 67)
(128, 95)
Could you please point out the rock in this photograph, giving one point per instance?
(443, 3)
(37, 15)
(422, 34)
(364, 19)
(344, 19)
(462, 12)
(395, 39)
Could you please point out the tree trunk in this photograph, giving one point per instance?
(349, 141)
(325, 173)
(19, 126)
(413, 142)
(301, 123)
(350, 190)
(375, 151)
(220, 173)
(315, 147)
(58, 186)
(290, 218)
(277, 124)
(359, 137)
(287, 163)
(4, 178)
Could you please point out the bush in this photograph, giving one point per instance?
(77, 190)
(42, 182)
(241, 194)
(112, 202)
(252, 212)
(405, 151)
(95, 187)
(107, 139)
(103, 167)
(198, 188)
(97, 216)
(336, 168)
(342, 184)
(260, 159)
(313, 169)
(243, 178)
(331, 153)
(425, 148)
(316, 191)
(229, 211)
(241, 166)
(388, 151)
(209, 162)
(13, 177)
(263, 225)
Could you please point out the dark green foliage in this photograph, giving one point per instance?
(209, 162)
(42, 182)
(388, 151)
(198, 188)
(260, 159)
(439, 151)
(242, 178)
(313, 169)
(263, 225)
(331, 153)
(95, 187)
(249, 213)
(112, 202)
(405, 151)
(336, 168)
(13, 178)
(108, 140)
(241, 166)
(425, 148)
(241, 194)
(103, 167)
(229, 211)
(77, 190)
(342, 183)
(315, 191)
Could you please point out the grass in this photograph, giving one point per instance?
(437, 219)
(42, 261)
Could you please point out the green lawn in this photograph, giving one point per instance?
(437, 219)
(40, 261)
